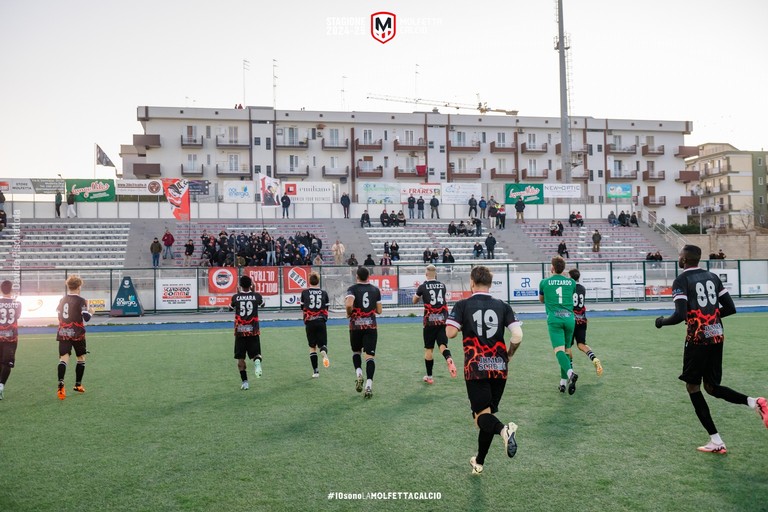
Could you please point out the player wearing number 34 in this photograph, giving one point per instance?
(701, 301)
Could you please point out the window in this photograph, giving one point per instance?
(617, 167)
(650, 141)
(532, 140)
(549, 138)
(293, 136)
(385, 135)
(257, 141)
(502, 167)
(532, 166)
(408, 137)
(592, 175)
(232, 134)
(599, 148)
(293, 162)
(207, 132)
(257, 169)
(333, 136)
(207, 159)
(501, 139)
(760, 180)
(617, 141)
(599, 173)
(761, 200)
(462, 164)
(651, 166)
(191, 162)
(191, 133)
(367, 136)
(269, 171)
(482, 137)
(268, 143)
(314, 161)
(410, 164)
(760, 162)
(460, 139)
(334, 162)
(386, 162)
(234, 162)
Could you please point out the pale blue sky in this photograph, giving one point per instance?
(73, 72)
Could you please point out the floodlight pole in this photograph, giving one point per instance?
(565, 131)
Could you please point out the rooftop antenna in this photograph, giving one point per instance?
(274, 84)
(416, 82)
(343, 100)
(246, 67)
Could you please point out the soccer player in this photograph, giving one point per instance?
(246, 305)
(10, 311)
(314, 304)
(701, 301)
(73, 312)
(433, 293)
(363, 303)
(482, 319)
(580, 331)
(556, 292)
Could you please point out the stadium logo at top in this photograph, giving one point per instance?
(383, 26)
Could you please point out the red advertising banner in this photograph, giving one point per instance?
(295, 279)
(177, 193)
(388, 287)
(265, 279)
(222, 280)
(214, 301)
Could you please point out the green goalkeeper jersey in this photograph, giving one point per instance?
(558, 293)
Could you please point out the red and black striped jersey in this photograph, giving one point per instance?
(701, 290)
(73, 313)
(246, 307)
(434, 295)
(366, 297)
(10, 311)
(314, 304)
(579, 305)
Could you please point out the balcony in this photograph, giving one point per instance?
(291, 144)
(654, 175)
(374, 172)
(688, 201)
(148, 141)
(575, 150)
(409, 145)
(725, 189)
(533, 148)
(191, 142)
(503, 147)
(620, 175)
(406, 173)
(473, 147)
(233, 171)
(686, 151)
(467, 174)
(222, 141)
(335, 145)
(687, 176)
(146, 170)
(335, 173)
(652, 151)
(507, 175)
(292, 172)
(575, 176)
(192, 170)
(613, 149)
(535, 175)
(373, 146)
(654, 200)
(716, 171)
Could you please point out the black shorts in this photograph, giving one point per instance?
(434, 334)
(65, 348)
(485, 393)
(580, 334)
(8, 353)
(247, 345)
(317, 334)
(702, 362)
(364, 340)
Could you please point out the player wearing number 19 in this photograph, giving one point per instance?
(481, 319)
(314, 304)
(433, 293)
(556, 292)
(701, 301)
(10, 310)
(73, 312)
(363, 303)
(247, 335)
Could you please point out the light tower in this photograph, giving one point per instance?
(565, 125)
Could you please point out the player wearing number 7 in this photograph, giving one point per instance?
(701, 301)
(247, 334)
(433, 293)
(556, 292)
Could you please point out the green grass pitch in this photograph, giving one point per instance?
(164, 426)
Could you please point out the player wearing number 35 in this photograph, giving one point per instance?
(246, 305)
(701, 301)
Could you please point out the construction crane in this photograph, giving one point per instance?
(482, 107)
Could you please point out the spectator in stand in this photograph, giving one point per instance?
(553, 228)
(477, 250)
(612, 219)
(401, 218)
(519, 209)
(483, 204)
(490, 244)
(596, 238)
(286, 202)
(365, 219)
(420, 207)
(657, 256)
(345, 201)
(572, 219)
(579, 220)
(560, 228)
(57, 202)
(501, 217)
(338, 249)
(493, 209)
(155, 248)
(411, 206)
(168, 243)
(3, 220)
(623, 219)
(386, 247)
(2, 201)
(720, 255)
(384, 218)
(71, 212)
(478, 226)
(189, 250)
(562, 250)
(393, 222)
(633, 220)
(394, 251)
(426, 256)
(472, 206)
(461, 229)
(434, 256)
(447, 256)
(452, 229)
(434, 203)
(318, 260)
(352, 261)
(369, 263)
(385, 263)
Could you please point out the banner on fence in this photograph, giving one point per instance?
(619, 191)
(524, 285)
(47, 185)
(126, 301)
(222, 280)
(459, 193)
(270, 191)
(425, 190)
(139, 187)
(309, 191)
(17, 186)
(562, 190)
(372, 192)
(238, 191)
(177, 194)
(388, 287)
(89, 190)
(531, 194)
(176, 293)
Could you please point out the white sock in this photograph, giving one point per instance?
(752, 402)
(716, 439)
(563, 382)
(368, 383)
(570, 373)
(359, 372)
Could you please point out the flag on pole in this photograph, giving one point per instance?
(102, 158)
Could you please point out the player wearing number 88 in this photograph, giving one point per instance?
(363, 303)
(433, 293)
(314, 304)
(556, 292)
(701, 301)
(247, 334)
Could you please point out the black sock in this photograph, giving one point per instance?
(313, 360)
(244, 375)
(62, 370)
(490, 424)
(324, 349)
(484, 440)
(370, 368)
(5, 371)
(357, 361)
(79, 370)
(429, 363)
(702, 411)
(447, 354)
(729, 395)
(591, 355)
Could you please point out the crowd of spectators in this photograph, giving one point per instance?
(231, 249)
